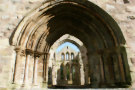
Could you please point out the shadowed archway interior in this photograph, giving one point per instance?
(107, 59)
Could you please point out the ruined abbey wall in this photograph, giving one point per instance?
(13, 11)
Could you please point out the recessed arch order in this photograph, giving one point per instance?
(93, 26)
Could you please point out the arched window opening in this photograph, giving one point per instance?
(54, 56)
(61, 73)
(67, 56)
(68, 72)
(73, 72)
(62, 56)
(72, 56)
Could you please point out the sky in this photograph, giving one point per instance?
(74, 47)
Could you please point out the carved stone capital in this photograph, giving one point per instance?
(17, 49)
(22, 53)
(28, 51)
(36, 54)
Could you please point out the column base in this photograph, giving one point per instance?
(34, 84)
(70, 82)
(14, 86)
(44, 85)
(25, 85)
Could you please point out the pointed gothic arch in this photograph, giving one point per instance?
(101, 35)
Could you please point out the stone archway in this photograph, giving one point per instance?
(83, 54)
(107, 60)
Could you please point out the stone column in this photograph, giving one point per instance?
(109, 73)
(26, 67)
(107, 79)
(65, 73)
(16, 65)
(121, 68)
(54, 74)
(45, 66)
(81, 70)
(81, 75)
(102, 69)
(36, 58)
(116, 68)
(48, 55)
(94, 65)
(70, 77)
(86, 74)
(69, 57)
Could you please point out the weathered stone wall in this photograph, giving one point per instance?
(12, 12)
(6, 63)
